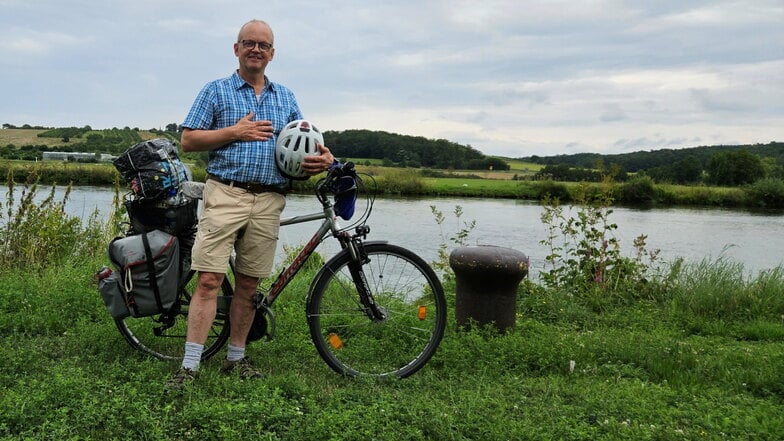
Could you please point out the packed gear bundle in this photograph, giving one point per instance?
(153, 257)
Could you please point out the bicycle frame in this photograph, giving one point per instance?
(329, 225)
(349, 243)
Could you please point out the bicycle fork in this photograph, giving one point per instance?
(359, 257)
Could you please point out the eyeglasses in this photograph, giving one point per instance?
(250, 44)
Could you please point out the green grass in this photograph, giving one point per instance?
(700, 195)
(399, 181)
(473, 187)
(693, 352)
(517, 165)
(664, 368)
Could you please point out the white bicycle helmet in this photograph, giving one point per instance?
(296, 141)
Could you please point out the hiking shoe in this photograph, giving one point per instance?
(243, 367)
(180, 379)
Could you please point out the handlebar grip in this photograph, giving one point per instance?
(341, 169)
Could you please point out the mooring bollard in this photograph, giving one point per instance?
(487, 278)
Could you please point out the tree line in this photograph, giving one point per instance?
(409, 151)
(392, 149)
(715, 165)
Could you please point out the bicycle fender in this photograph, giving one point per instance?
(334, 258)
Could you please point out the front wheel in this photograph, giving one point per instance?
(355, 342)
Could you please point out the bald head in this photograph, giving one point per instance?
(254, 23)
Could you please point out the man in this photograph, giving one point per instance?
(237, 119)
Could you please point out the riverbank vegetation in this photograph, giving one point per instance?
(749, 176)
(606, 347)
(393, 181)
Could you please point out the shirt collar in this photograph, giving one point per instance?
(239, 82)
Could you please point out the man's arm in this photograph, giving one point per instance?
(197, 140)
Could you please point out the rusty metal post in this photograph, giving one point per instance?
(487, 278)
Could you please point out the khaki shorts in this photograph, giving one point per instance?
(234, 218)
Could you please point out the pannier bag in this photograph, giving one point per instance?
(148, 269)
(113, 296)
(152, 168)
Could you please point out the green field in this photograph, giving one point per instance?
(474, 187)
(21, 137)
(521, 166)
(518, 169)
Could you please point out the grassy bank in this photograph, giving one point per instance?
(411, 182)
(607, 347)
(683, 366)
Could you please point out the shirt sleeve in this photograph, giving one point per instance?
(202, 113)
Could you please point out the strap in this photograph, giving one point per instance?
(130, 300)
(151, 274)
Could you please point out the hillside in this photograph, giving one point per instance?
(388, 148)
(30, 143)
(409, 151)
(645, 160)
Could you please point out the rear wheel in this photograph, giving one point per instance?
(163, 335)
(410, 298)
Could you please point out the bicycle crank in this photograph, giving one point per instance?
(264, 324)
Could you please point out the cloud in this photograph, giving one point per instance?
(20, 42)
(612, 112)
(656, 142)
(506, 76)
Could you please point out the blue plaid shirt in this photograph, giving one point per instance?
(221, 103)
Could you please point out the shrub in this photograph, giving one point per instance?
(638, 191)
(401, 181)
(766, 193)
(552, 190)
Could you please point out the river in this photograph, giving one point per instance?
(753, 239)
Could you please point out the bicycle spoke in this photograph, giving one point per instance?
(169, 343)
(408, 293)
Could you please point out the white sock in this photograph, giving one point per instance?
(235, 353)
(192, 356)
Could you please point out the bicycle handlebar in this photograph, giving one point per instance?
(335, 172)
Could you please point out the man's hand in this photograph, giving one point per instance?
(244, 130)
(316, 164)
(248, 130)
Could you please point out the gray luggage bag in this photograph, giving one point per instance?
(146, 277)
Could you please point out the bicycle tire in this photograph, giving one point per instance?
(406, 288)
(170, 343)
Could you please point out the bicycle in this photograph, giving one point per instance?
(374, 309)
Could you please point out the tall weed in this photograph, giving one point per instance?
(37, 234)
(459, 238)
(585, 255)
(721, 289)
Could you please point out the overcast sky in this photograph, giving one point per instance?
(510, 78)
